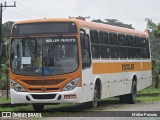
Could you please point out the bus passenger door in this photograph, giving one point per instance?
(86, 67)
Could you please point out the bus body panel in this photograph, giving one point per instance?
(116, 82)
(121, 87)
(87, 85)
(20, 97)
(145, 80)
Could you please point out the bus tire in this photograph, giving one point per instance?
(132, 96)
(95, 97)
(38, 107)
(94, 102)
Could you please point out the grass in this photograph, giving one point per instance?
(148, 98)
(149, 90)
(17, 108)
(4, 100)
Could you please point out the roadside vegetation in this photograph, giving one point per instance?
(4, 100)
(149, 90)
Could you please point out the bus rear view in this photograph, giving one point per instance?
(44, 62)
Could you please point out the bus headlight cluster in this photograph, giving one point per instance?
(17, 87)
(71, 85)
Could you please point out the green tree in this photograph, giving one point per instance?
(153, 27)
(114, 22)
(155, 44)
(6, 29)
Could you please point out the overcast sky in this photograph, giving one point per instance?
(128, 11)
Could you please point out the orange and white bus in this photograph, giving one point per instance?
(75, 61)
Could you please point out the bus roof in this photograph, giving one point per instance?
(91, 25)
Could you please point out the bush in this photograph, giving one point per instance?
(3, 77)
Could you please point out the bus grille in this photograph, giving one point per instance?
(43, 82)
(39, 89)
(47, 96)
(42, 85)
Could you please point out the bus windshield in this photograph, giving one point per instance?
(44, 56)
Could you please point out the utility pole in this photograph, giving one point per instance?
(1, 10)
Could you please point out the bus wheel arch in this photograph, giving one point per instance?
(96, 93)
(134, 78)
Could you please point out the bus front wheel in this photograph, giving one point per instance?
(38, 107)
(95, 98)
(94, 102)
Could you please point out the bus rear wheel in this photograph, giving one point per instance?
(130, 98)
(38, 107)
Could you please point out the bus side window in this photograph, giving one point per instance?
(122, 40)
(137, 53)
(147, 48)
(144, 53)
(129, 39)
(113, 38)
(103, 36)
(94, 36)
(95, 51)
(85, 50)
(104, 41)
(106, 38)
(136, 41)
(123, 53)
(95, 44)
(131, 52)
(105, 52)
(122, 43)
(114, 52)
(143, 42)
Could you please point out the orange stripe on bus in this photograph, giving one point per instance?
(112, 67)
(146, 66)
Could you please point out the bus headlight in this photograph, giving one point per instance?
(71, 85)
(17, 87)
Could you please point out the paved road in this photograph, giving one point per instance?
(115, 109)
(148, 106)
(107, 110)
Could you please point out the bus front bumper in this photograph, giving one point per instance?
(73, 96)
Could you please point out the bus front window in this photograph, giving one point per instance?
(44, 56)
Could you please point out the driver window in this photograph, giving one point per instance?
(85, 50)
